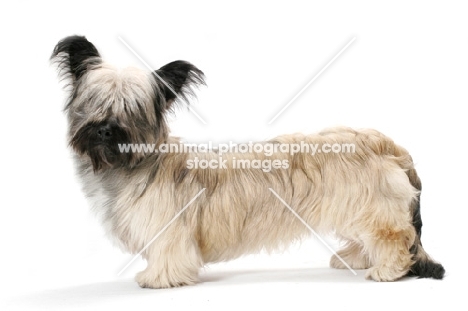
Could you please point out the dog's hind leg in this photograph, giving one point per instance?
(388, 249)
(384, 224)
(353, 254)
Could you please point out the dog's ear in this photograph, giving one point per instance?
(74, 55)
(179, 78)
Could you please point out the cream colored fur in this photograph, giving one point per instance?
(363, 197)
(369, 199)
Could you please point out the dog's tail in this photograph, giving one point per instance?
(424, 266)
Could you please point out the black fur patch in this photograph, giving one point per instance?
(73, 55)
(104, 153)
(417, 221)
(427, 269)
(424, 266)
(181, 76)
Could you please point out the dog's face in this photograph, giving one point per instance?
(110, 106)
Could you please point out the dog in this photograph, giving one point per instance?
(369, 199)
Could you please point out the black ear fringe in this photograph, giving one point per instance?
(73, 55)
(181, 77)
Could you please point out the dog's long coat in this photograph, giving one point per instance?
(369, 198)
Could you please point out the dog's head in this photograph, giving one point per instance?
(109, 107)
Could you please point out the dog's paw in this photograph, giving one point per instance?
(384, 274)
(336, 263)
(354, 260)
(149, 280)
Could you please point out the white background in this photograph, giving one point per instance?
(405, 75)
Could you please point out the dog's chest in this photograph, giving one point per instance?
(109, 200)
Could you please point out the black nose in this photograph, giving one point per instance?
(104, 132)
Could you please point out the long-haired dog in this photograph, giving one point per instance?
(368, 199)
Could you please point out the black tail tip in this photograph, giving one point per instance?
(427, 269)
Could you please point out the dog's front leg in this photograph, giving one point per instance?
(173, 261)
